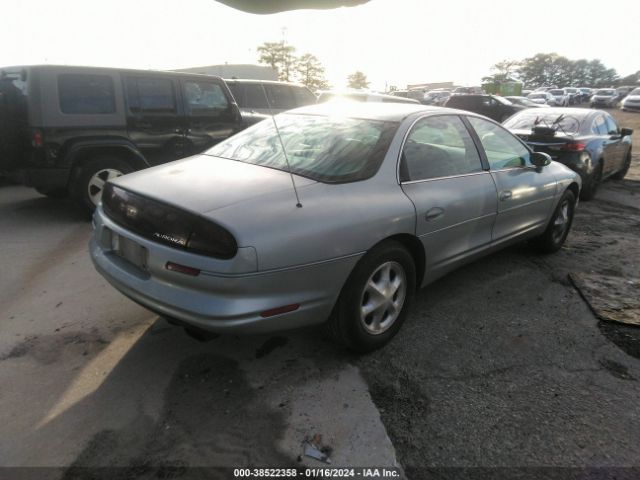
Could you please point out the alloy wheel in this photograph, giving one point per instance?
(561, 223)
(97, 181)
(383, 297)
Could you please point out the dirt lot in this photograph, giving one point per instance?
(501, 365)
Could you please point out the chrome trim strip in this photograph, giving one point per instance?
(410, 182)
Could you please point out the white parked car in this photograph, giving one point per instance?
(561, 97)
(632, 101)
(542, 98)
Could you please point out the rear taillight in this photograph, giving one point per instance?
(36, 139)
(573, 147)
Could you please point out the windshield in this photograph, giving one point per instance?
(527, 120)
(556, 92)
(322, 148)
(503, 100)
(636, 91)
(606, 93)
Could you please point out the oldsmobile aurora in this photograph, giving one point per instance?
(391, 197)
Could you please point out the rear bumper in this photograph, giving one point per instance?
(222, 303)
(41, 177)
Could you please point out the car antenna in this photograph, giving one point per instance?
(284, 150)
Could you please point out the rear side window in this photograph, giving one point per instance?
(205, 98)
(150, 95)
(81, 94)
(438, 146)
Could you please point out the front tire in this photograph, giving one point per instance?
(375, 300)
(620, 174)
(556, 233)
(88, 183)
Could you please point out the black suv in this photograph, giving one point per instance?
(66, 130)
(257, 99)
(490, 106)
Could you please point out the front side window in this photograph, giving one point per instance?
(82, 94)
(322, 148)
(599, 126)
(612, 126)
(438, 146)
(503, 150)
(205, 98)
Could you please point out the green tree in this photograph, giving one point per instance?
(357, 80)
(310, 72)
(279, 56)
(503, 71)
(553, 69)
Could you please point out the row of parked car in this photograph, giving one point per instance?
(68, 130)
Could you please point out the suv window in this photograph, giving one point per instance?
(204, 98)
(303, 96)
(150, 95)
(86, 94)
(438, 146)
(281, 96)
(502, 148)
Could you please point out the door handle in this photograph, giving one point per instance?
(434, 213)
(506, 195)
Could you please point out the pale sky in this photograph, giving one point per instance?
(393, 42)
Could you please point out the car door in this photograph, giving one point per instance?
(525, 192)
(614, 147)
(211, 115)
(155, 119)
(455, 197)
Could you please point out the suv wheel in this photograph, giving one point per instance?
(375, 300)
(89, 182)
(620, 174)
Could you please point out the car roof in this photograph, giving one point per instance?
(390, 112)
(574, 112)
(267, 82)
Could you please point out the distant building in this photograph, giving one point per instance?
(255, 72)
(430, 86)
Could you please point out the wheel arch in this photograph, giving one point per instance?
(81, 153)
(416, 250)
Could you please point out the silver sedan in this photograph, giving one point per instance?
(333, 213)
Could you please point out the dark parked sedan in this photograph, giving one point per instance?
(589, 142)
(490, 106)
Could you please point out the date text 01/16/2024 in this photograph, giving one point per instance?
(364, 472)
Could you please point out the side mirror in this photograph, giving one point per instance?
(626, 132)
(540, 159)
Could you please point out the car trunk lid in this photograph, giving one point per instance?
(550, 141)
(204, 183)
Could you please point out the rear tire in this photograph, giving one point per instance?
(375, 299)
(559, 226)
(592, 183)
(88, 182)
(620, 174)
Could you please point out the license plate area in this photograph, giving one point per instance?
(129, 250)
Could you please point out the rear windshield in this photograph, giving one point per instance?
(527, 120)
(86, 94)
(326, 149)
